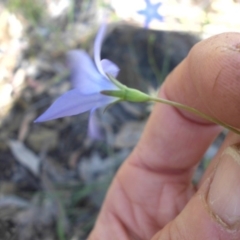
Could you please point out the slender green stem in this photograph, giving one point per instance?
(133, 95)
(196, 112)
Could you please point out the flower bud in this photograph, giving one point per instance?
(127, 94)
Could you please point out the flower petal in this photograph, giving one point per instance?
(97, 47)
(94, 128)
(72, 103)
(110, 67)
(84, 75)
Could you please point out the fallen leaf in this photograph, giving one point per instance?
(25, 156)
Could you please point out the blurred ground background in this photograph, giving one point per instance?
(53, 176)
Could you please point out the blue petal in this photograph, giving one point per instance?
(94, 128)
(84, 75)
(151, 12)
(110, 67)
(72, 103)
(97, 47)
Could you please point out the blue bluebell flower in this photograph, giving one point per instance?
(89, 79)
(151, 12)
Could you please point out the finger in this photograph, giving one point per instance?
(153, 185)
(213, 212)
(174, 141)
(208, 79)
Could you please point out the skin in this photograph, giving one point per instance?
(152, 196)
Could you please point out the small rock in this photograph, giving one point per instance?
(7, 188)
(43, 138)
(12, 202)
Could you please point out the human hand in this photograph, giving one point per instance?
(152, 196)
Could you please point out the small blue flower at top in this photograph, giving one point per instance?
(151, 12)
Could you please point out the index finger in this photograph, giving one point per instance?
(208, 80)
(154, 183)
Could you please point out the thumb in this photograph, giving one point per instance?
(214, 211)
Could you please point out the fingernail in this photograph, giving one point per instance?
(224, 192)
